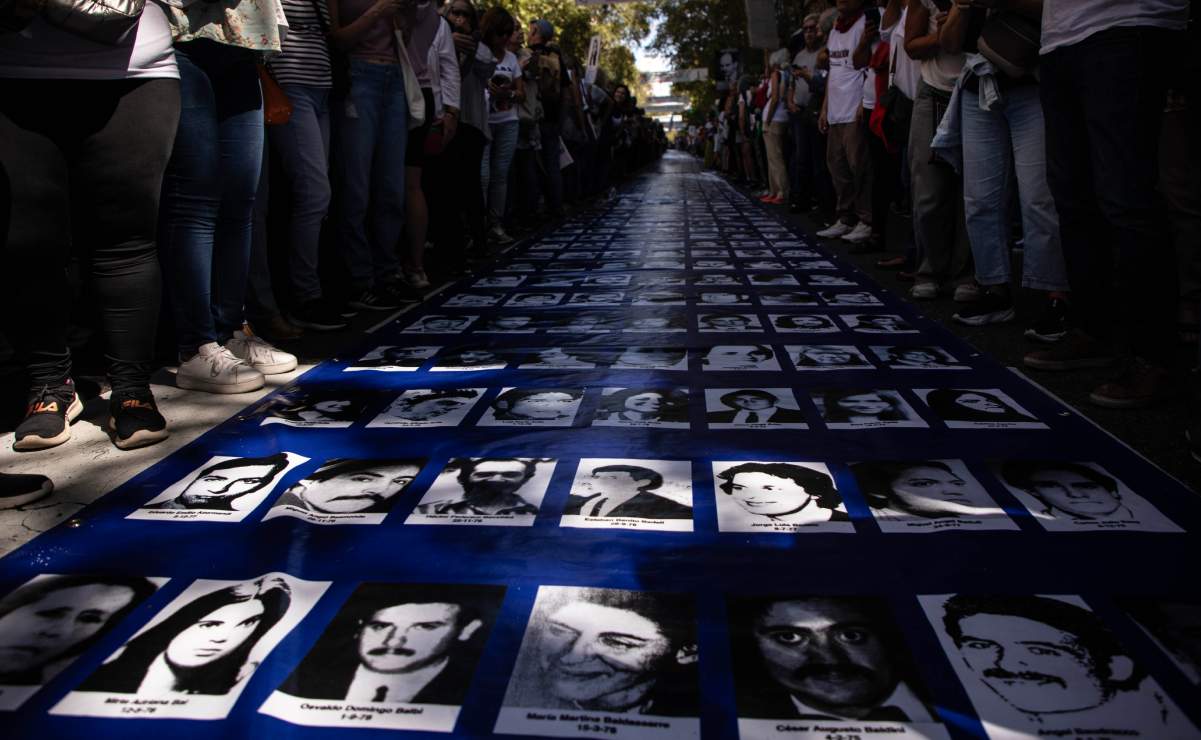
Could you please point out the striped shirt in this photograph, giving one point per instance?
(305, 57)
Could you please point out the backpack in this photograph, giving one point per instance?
(549, 74)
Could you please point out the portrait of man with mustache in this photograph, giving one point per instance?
(399, 643)
(823, 658)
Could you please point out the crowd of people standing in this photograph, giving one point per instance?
(164, 147)
(987, 129)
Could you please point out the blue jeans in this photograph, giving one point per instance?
(991, 140)
(302, 145)
(374, 128)
(494, 168)
(209, 191)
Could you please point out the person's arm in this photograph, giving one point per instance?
(919, 43)
(519, 88)
(774, 101)
(448, 80)
(892, 14)
(953, 32)
(345, 37)
(742, 115)
(823, 123)
(863, 50)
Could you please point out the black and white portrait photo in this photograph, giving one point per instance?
(660, 298)
(839, 661)
(508, 324)
(827, 357)
(865, 408)
(305, 409)
(199, 652)
(473, 300)
(798, 254)
(977, 408)
(663, 408)
(223, 489)
(610, 654)
(803, 323)
(877, 323)
(728, 357)
(770, 280)
(754, 254)
(51, 620)
(347, 491)
(656, 281)
(610, 281)
(533, 407)
(1175, 627)
(631, 494)
(728, 323)
(716, 298)
(390, 358)
(927, 496)
(1068, 496)
(428, 407)
(557, 358)
(396, 656)
(763, 497)
(813, 265)
(654, 324)
(498, 281)
(1047, 666)
(440, 324)
(554, 281)
(597, 298)
(917, 358)
(581, 323)
(822, 280)
(468, 358)
(849, 298)
(788, 298)
(534, 300)
(496, 491)
(712, 264)
(752, 408)
(651, 358)
(716, 279)
(764, 265)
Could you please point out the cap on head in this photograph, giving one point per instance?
(545, 29)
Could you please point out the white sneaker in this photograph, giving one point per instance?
(259, 354)
(861, 233)
(417, 279)
(835, 230)
(214, 369)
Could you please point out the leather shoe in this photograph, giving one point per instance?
(1141, 384)
(276, 329)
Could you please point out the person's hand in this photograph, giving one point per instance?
(939, 19)
(859, 114)
(385, 8)
(450, 124)
(805, 73)
(465, 43)
(793, 107)
(823, 124)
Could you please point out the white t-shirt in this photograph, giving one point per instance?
(508, 67)
(941, 70)
(46, 52)
(781, 112)
(844, 87)
(905, 72)
(1067, 22)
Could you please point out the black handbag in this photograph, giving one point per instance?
(104, 21)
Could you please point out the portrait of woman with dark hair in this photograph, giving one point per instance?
(805, 323)
(662, 407)
(969, 407)
(777, 497)
(827, 357)
(917, 358)
(52, 619)
(847, 408)
(202, 648)
(929, 490)
(304, 409)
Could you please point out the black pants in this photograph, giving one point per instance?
(82, 167)
(886, 167)
(457, 196)
(1102, 99)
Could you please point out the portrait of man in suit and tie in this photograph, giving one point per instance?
(823, 658)
(729, 408)
(399, 643)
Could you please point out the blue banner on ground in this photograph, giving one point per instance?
(670, 471)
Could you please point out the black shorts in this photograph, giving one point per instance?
(415, 148)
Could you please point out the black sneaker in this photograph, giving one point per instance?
(19, 489)
(1052, 325)
(48, 417)
(134, 420)
(990, 308)
(374, 300)
(319, 315)
(399, 291)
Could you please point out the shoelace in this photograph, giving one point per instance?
(39, 401)
(223, 360)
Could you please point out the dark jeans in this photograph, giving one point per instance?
(886, 169)
(456, 197)
(209, 192)
(83, 168)
(1102, 100)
